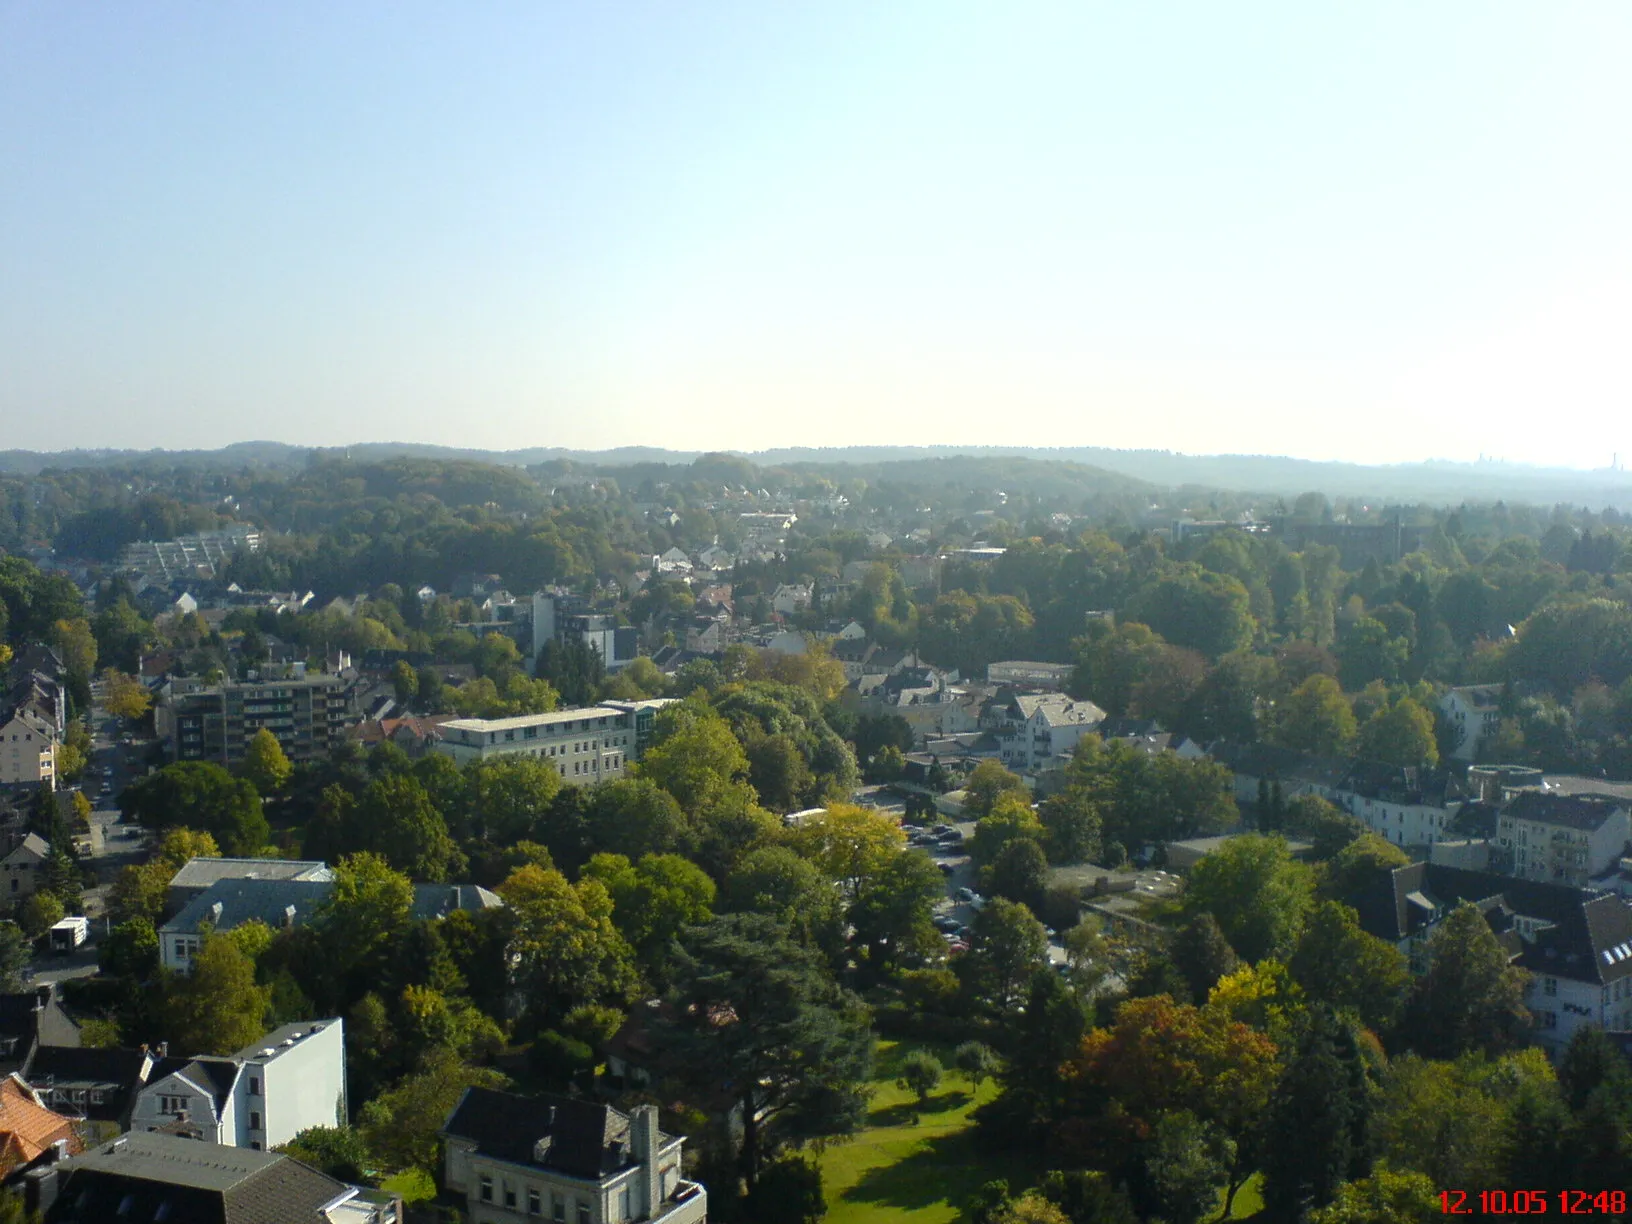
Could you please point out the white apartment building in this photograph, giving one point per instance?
(1474, 710)
(1038, 727)
(1563, 839)
(585, 745)
(259, 1098)
(28, 750)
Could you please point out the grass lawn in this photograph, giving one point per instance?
(896, 1169)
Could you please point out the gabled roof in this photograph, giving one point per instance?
(587, 1139)
(34, 844)
(1269, 761)
(1584, 812)
(142, 1178)
(210, 1075)
(27, 1127)
(202, 872)
(1585, 936)
(245, 900)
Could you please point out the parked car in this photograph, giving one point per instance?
(966, 894)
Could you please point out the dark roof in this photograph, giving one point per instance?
(1586, 936)
(115, 1073)
(1269, 761)
(1476, 818)
(587, 1140)
(214, 1075)
(1480, 696)
(28, 1019)
(189, 1183)
(1398, 784)
(1588, 812)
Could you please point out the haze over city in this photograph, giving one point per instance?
(1379, 234)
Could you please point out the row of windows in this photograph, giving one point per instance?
(536, 1198)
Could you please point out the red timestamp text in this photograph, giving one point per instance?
(1532, 1202)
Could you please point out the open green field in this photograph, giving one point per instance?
(923, 1171)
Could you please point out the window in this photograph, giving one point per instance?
(558, 1208)
(509, 1195)
(487, 1189)
(535, 1202)
(172, 1104)
(254, 1085)
(583, 1212)
(623, 1203)
(1549, 986)
(254, 1120)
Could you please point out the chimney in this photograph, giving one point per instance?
(643, 1144)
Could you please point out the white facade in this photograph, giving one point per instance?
(1557, 851)
(28, 751)
(1404, 824)
(650, 1188)
(1475, 713)
(585, 745)
(791, 598)
(1038, 729)
(260, 1097)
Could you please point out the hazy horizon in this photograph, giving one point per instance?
(1386, 235)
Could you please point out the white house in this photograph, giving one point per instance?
(566, 1159)
(28, 750)
(1409, 807)
(260, 1097)
(1574, 944)
(1474, 710)
(1563, 839)
(791, 598)
(1037, 727)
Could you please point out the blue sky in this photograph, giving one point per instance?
(1367, 231)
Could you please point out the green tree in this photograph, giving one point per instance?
(125, 696)
(1019, 872)
(265, 763)
(789, 1192)
(1315, 717)
(1188, 1164)
(509, 796)
(655, 899)
(1202, 955)
(1009, 819)
(338, 1151)
(1342, 966)
(217, 1008)
(402, 1126)
(1071, 826)
(1256, 891)
(797, 1048)
(1358, 867)
(850, 845)
(404, 682)
(892, 914)
(986, 784)
(976, 1062)
(397, 820)
(635, 816)
(919, 1073)
(695, 757)
(1193, 607)
(1401, 734)
(130, 951)
(15, 954)
(200, 795)
(40, 913)
(1316, 1126)
(1006, 945)
(361, 923)
(1472, 997)
(565, 948)
(1385, 1197)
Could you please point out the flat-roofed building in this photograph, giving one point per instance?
(584, 745)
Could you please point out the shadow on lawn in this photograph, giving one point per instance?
(904, 1113)
(949, 1168)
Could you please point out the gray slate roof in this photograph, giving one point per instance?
(245, 900)
(141, 1177)
(202, 872)
(587, 1139)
